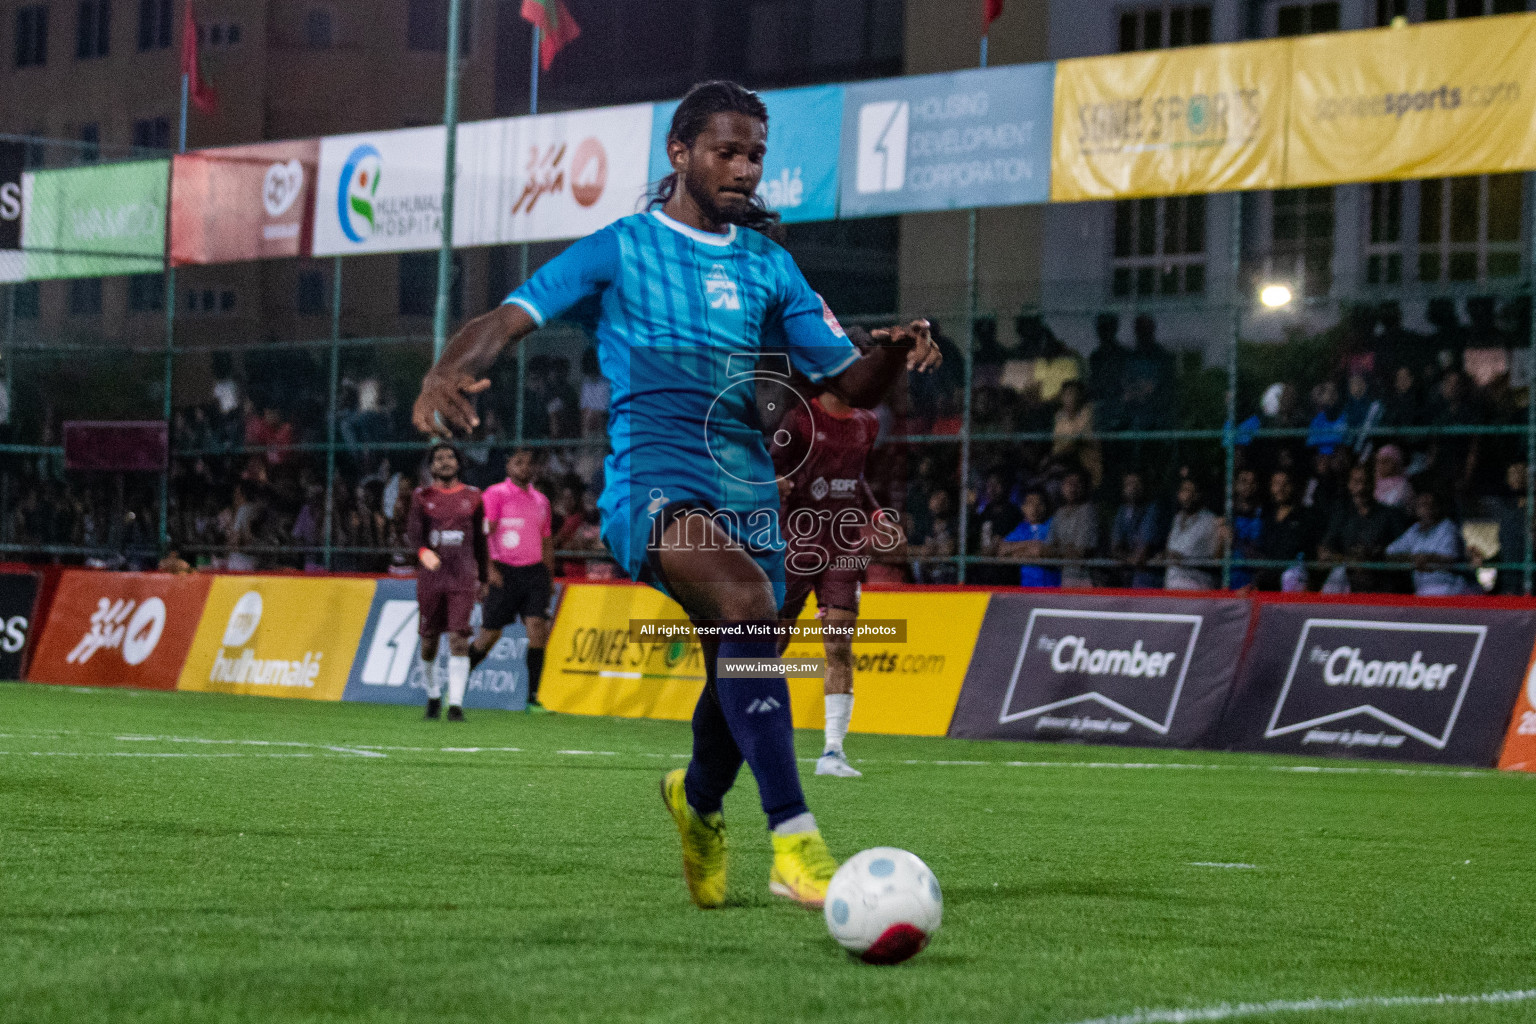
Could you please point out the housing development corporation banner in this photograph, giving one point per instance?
(95, 221)
(119, 629)
(243, 202)
(800, 169)
(944, 142)
(1152, 672)
(1418, 102)
(1170, 122)
(1402, 682)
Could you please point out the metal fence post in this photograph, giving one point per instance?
(451, 125)
(1229, 431)
(1530, 388)
(332, 412)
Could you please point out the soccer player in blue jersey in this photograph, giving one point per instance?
(688, 290)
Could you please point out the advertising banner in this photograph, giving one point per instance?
(534, 179)
(278, 636)
(1168, 122)
(1152, 672)
(243, 202)
(800, 170)
(95, 221)
(18, 598)
(1418, 102)
(1519, 753)
(1407, 683)
(388, 668)
(119, 629)
(904, 689)
(944, 142)
(12, 160)
(380, 192)
(593, 668)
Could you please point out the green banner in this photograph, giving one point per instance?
(95, 221)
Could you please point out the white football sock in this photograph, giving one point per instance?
(839, 712)
(805, 822)
(458, 680)
(434, 680)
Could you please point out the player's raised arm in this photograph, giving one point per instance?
(892, 350)
(444, 406)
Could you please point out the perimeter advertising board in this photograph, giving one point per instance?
(12, 160)
(276, 636)
(533, 179)
(800, 168)
(1139, 671)
(1422, 101)
(380, 192)
(243, 202)
(388, 667)
(18, 598)
(945, 142)
(1519, 753)
(95, 221)
(1169, 122)
(1415, 683)
(119, 629)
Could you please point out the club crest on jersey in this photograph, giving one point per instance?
(819, 488)
(721, 289)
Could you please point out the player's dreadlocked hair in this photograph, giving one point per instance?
(693, 114)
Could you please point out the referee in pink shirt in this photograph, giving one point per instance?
(522, 550)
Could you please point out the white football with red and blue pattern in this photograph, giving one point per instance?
(883, 905)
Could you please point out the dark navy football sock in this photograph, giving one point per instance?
(535, 658)
(716, 758)
(757, 710)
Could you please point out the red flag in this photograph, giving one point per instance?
(203, 95)
(555, 24)
(990, 13)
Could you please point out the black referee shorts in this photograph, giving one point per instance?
(524, 591)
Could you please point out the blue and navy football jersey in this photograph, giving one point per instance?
(684, 315)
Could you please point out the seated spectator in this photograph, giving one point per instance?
(1029, 539)
(1290, 534)
(1074, 532)
(1453, 458)
(1106, 371)
(1072, 430)
(268, 430)
(1149, 380)
(1247, 525)
(1392, 486)
(1508, 510)
(1433, 543)
(937, 541)
(1362, 411)
(1136, 536)
(994, 518)
(595, 396)
(1360, 531)
(1194, 541)
(1329, 428)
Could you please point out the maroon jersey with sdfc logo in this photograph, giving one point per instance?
(822, 457)
(449, 522)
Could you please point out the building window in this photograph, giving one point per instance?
(152, 133)
(418, 284)
(93, 30)
(1301, 237)
(1161, 27)
(1469, 228)
(90, 138)
(1305, 19)
(1160, 246)
(146, 293)
(1388, 11)
(1384, 257)
(85, 296)
(32, 36)
(218, 33)
(26, 300)
(154, 24)
(426, 25)
(310, 296)
(318, 31)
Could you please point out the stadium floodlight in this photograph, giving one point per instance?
(1275, 296)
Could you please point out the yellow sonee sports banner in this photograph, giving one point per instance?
(277, 636)
(1170, 122)
(594, 667)
(1417, 102)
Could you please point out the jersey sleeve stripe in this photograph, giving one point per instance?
(853, 357)
(527, 307)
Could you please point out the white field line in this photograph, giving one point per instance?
(1219, 864)
(1230, 1011)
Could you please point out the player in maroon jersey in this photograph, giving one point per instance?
(829, 515)
(447, 529)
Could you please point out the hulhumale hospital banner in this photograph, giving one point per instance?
(95, 221)
(243, 202)
(943, 142)
(380, 192)
(800, 170)
(1416, 102)
(1170, 122)
(534, 179)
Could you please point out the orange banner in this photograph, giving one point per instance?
(1520, 745)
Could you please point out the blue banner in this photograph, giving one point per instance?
(800, 170)
(945, 142)
(388, 668)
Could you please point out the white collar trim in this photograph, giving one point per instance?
(707, 237)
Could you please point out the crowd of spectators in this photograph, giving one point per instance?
(1366, 473)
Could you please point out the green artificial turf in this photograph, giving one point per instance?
(300, 878)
